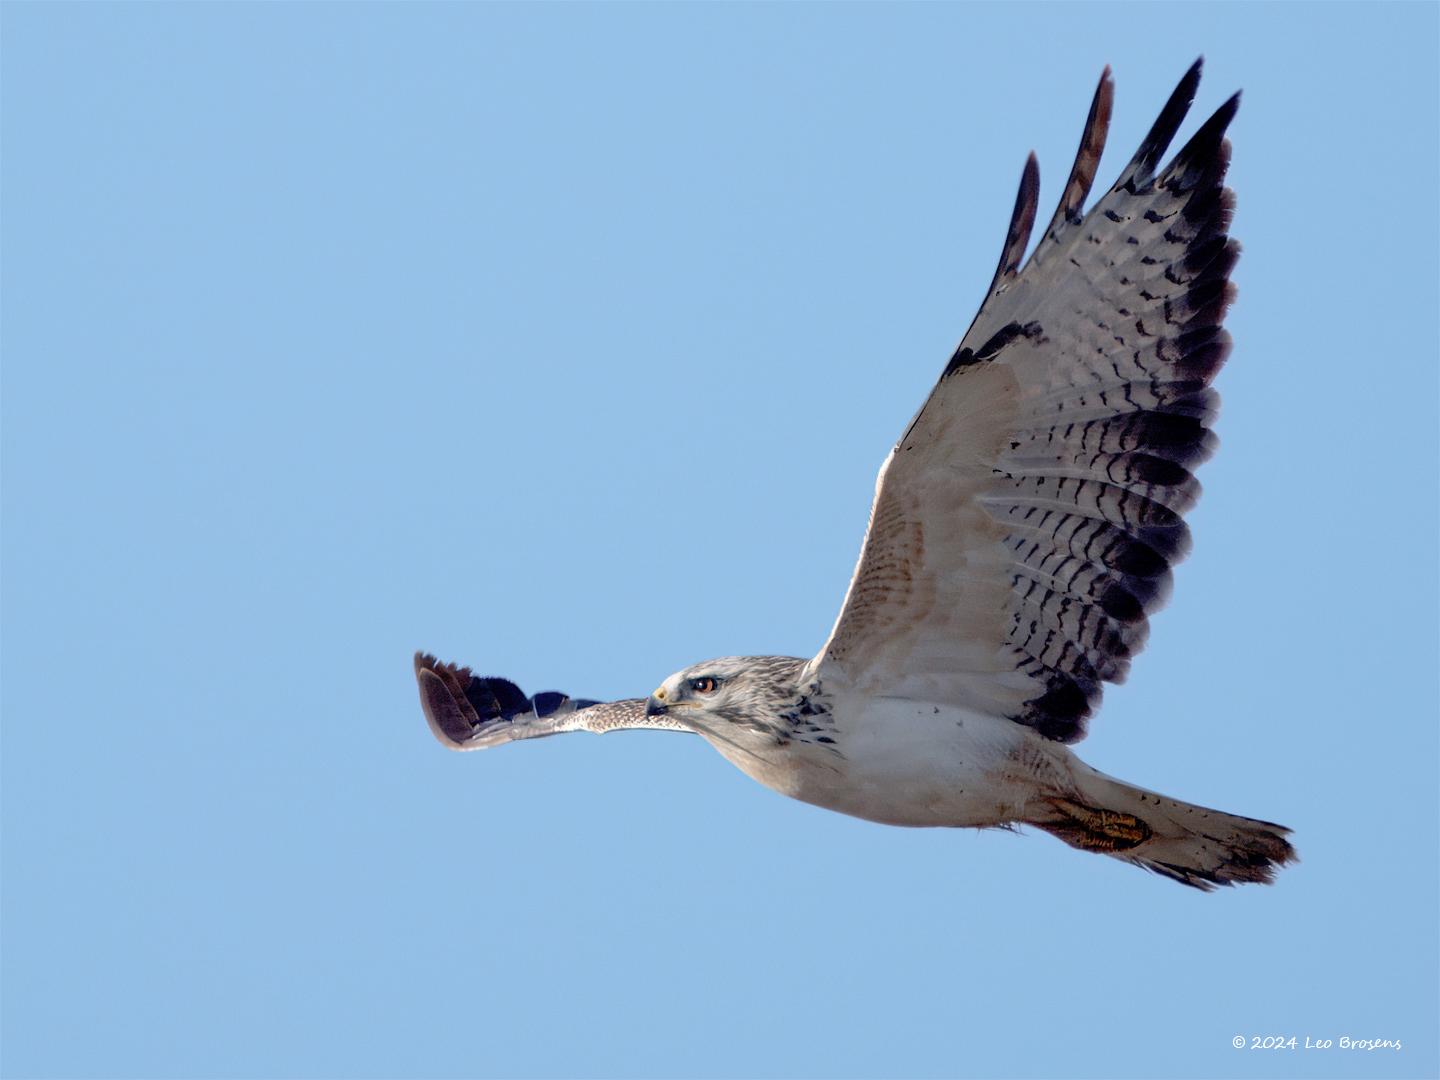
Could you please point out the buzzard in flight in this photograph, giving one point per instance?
(1023, 530)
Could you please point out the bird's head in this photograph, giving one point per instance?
(738, 689)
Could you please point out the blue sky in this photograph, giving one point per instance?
(566, 341)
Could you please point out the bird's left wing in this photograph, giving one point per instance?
(473, 712)
(1025, 524)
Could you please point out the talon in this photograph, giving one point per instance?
(1101, 830)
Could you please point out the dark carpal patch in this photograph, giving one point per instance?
(1004, 336)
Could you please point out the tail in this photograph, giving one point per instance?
(1186, 843)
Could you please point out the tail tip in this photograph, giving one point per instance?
(1253, 860)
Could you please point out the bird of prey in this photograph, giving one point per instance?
(1023, 530)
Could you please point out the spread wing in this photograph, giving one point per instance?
(472, 712)
(1025, 525)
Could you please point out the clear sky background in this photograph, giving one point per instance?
(566, 341)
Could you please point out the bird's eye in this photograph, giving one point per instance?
(706, 685)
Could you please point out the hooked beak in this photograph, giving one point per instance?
(661, 702)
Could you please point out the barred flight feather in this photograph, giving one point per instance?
(1072, 414)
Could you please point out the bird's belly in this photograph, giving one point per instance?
(903, 762)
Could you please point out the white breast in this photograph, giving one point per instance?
(899, 762)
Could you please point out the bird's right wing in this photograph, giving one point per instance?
(1025, 525)
(472, 712)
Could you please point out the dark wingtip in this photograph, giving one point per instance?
(1206, 156)
(1022, 221)
(442, 698)
(465, 710)
(1154, 145)
(1087, 157)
